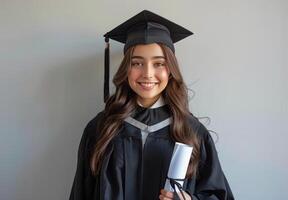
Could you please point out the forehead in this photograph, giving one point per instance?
(148, 50)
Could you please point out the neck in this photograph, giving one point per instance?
(156, 102)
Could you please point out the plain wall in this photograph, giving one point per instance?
(51, 80)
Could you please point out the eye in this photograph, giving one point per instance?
(160, 64)
(136, 64)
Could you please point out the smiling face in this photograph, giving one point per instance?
(148, 74)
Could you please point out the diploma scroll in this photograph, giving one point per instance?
(178, 165)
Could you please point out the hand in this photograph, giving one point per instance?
(166, 195)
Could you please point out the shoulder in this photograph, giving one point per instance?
(91, 130)
(94, 123)
(201, 131)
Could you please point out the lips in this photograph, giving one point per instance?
(147, 85)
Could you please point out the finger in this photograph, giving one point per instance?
(161, 197)
(166, 193)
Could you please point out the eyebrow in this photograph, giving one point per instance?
(154, 57)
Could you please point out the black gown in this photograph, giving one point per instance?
(133, 170)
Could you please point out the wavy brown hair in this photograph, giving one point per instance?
(123, 101)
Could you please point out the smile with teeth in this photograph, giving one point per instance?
(147, 85)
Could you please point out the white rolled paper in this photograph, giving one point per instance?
(179, 164)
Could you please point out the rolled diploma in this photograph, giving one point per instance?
(179, 164)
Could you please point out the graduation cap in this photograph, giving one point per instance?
(144, 28)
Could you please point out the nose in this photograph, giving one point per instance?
(148, 70)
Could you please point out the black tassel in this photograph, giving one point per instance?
(106, 70)
(174, 184)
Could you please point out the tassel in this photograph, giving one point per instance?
(106, 70)
(174, 184)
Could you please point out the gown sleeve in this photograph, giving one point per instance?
(211, 183)
(84, 186)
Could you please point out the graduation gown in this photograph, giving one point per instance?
(136, 162)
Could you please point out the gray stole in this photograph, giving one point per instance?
(145, 129)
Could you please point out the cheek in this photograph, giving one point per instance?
(132, 75)
(163, 75)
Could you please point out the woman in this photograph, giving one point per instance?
(126, 149)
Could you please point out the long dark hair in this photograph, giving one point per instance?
(123, 102)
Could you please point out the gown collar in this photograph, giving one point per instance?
(152, 115)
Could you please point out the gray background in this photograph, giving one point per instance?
(51, 59)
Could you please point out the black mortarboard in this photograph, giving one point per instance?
(144, 28)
